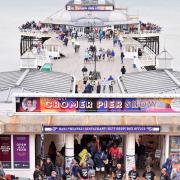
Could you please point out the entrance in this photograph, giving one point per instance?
(87, 30)
(149, 151)
(111, 147)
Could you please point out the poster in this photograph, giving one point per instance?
(21, 151)
(5, 151)
(99, 105)
(175, 150)
(130, 162)
(68, 161)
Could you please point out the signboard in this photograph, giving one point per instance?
(89, 8)
(68, 161)
(95, 104)
(130, 162)
(101, 129)
(21, 151)
(5, 151)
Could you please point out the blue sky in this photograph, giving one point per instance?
(13, 13)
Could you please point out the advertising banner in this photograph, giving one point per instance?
(100, 105)
(130, 162)
(21, 151)
(5, 151)
(90, 8)
(101, 129)
(174, 150)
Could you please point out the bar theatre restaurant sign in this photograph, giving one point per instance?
(94, 104)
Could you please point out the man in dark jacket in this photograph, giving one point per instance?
(48, 167)
(123, 70)
(37, 173)
(99, 160)
(98, 88)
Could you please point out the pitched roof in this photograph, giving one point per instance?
(158, 81)
(33, 81)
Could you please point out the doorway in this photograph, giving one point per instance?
(149, 151)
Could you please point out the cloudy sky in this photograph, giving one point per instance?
(13, 13)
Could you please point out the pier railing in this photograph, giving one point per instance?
(53, 33)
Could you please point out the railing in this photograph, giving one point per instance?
(39, 33)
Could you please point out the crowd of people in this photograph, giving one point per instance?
(89, 85)
(100, 33)
(92, 54)
(150, 27)
(96, 157)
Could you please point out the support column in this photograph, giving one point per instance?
(130, 152)
(69, 149)
(166, 147)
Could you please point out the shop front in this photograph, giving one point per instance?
(136, 120)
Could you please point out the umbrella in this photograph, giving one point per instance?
(110, 78)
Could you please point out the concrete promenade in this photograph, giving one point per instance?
(74, 62)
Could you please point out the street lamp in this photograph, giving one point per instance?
(95, 75)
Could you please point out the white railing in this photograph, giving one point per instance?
(39, 33)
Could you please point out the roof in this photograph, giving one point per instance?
(28, 55)
(33, 81)
(164, 55)
(53, 41)
(91, 2)
(64, 16)
(157, 81)
(131, 41)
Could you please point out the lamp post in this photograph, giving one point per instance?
(95, 74)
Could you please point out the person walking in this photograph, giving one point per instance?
(98, 88)
(110, 80)
(66, 41)
(104, 83)
(122, 57)
(123, 70)
(112, 55)
(103, 54)
(168, 166)
(52, 152)
(76, 46)
(108, 52)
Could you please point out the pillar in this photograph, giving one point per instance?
(69, 149)
(166, 146)
(130, 152)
